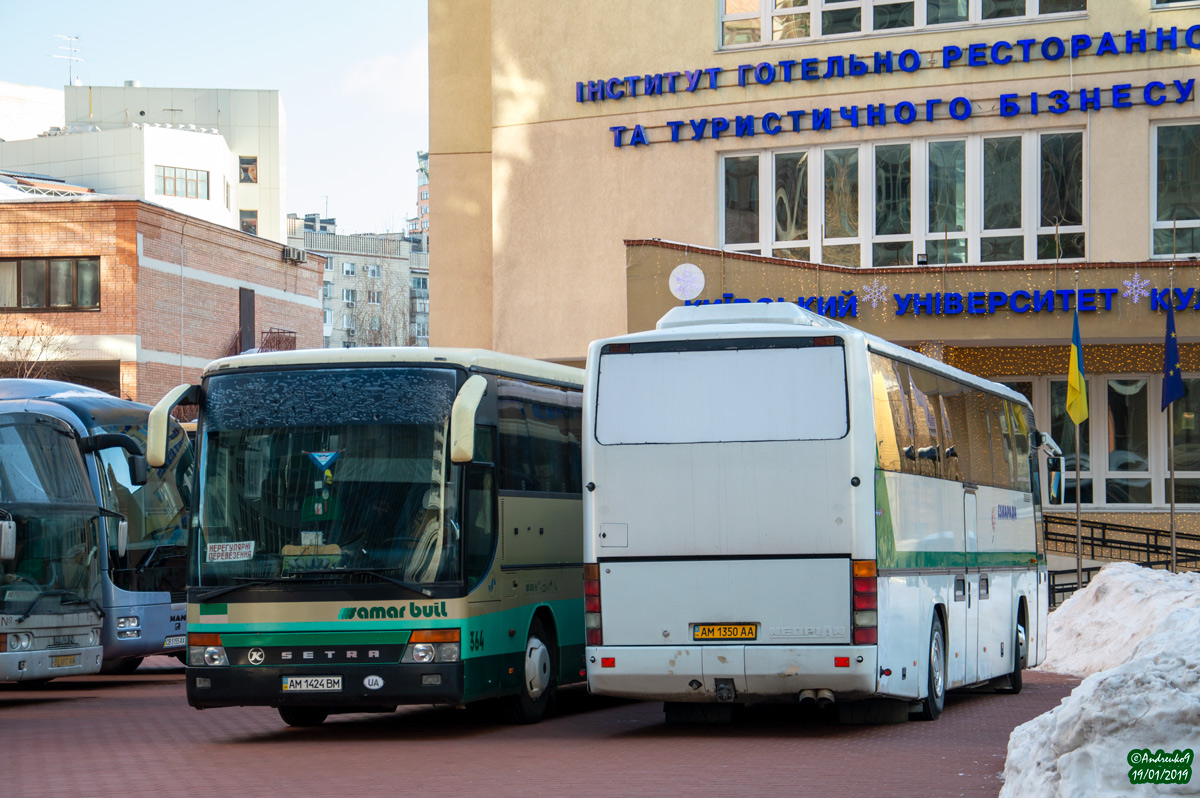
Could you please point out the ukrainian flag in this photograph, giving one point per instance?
(1077, 402)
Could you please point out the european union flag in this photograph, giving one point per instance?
(1172, 385)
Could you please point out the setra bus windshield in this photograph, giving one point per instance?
(328, 475)
(44, 490)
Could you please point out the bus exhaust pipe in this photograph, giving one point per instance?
(824, 698)
(807, 697)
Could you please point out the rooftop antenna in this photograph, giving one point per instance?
(72, 49)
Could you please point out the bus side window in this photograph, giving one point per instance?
(893, 422)
(480, 523)
(923, 389)
(1021, 426)
(957, 451)
(1002, 455)
(979, 438)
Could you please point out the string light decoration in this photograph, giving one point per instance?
(1015, 361)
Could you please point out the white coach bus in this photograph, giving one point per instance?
(779, 507)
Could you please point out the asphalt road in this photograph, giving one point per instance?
(136, 736)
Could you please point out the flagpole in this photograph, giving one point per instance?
(1171, 440)
(1079, 523)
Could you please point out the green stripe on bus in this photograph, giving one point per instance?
(316, 639)
(912, 560)
(214, 609)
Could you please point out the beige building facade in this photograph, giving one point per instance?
(956, 175)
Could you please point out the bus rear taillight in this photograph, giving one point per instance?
(591, 605)
(864, 599)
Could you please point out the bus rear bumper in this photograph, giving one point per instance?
(363, 687)
(757, 673)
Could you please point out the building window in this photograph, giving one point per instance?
(424, 195)
(347, 321)
(348, 344)
(349, 295)
(329, 265)
(752, 23)
(373, 270)
(1176, 226)
(172, 181)
(327, 290)
(425, 224)
(327, 316)
(348, 269)
(420, 283)
(249, 222)
(956, 201)
(50, 284)
(374, 297)
(424, 210)
(249, 169)
(376, 323)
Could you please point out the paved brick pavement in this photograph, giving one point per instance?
(135, 736)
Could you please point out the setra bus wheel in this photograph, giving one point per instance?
(931, 707)
(1015, 681)
(303, 716)
(540, 679)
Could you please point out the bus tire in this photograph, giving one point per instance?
(303, 716)
(540, 680)
(1015, 681)
(931, 706)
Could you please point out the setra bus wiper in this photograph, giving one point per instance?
(220, 591)
(372, 572)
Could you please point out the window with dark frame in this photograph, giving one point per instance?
(249, 222)
(50, 284)
(249, 169)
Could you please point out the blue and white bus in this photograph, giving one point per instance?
(52, 534)
(141, 588)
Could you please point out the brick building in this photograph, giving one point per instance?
(142, 297)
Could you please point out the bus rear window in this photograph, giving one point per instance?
(785, 392)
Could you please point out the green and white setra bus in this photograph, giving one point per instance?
(783, 508)
(383, 526)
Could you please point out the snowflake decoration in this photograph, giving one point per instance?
(875, 292)
(687, 281)
(1135, 288)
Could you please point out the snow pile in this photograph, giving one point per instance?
(1137, 632)
(1101, 626)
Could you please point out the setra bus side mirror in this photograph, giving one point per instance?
(157, 425)
(1054, 480)
(462, 419)
(8, 540)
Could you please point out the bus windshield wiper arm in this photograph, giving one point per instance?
(220, 591)
(42, 595)
(373, 572)
(91, 602)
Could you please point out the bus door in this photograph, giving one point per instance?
(965, 612)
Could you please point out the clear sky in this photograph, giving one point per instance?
(353, 75)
